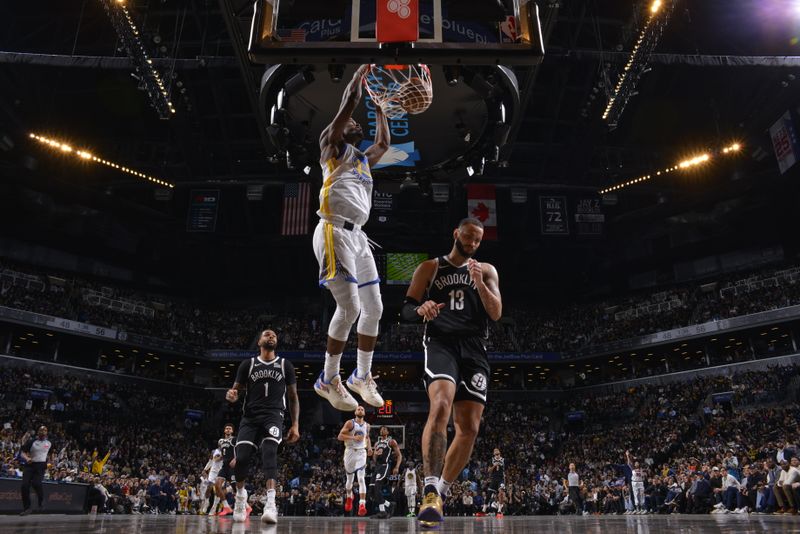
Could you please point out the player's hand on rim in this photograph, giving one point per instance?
(429, 310)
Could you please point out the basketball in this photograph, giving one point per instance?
(415, 97)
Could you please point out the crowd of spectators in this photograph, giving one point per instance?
(140, 452)
(555, 328)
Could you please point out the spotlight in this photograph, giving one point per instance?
(336, 70)
(451, 74)
(298, 82)
(470, 170)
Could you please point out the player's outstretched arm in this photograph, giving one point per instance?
(383, 139)
(414, 310)
(331, 138)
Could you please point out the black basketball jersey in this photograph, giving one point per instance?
(226, 445)
(385, 456)
(463, 313)
(266, 384)
(499, 467)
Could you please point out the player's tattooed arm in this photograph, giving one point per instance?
(382, 139)
(332, 136)
(487, 282)
(294, 411)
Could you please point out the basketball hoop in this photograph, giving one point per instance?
(400, 89)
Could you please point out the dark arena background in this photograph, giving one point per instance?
(634, 167)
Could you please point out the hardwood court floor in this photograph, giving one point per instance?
(165, 524)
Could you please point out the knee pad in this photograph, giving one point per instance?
(371, 310)
(348, 306)
(244, 453)
(349, 485)
(362, 483)
(269, 459)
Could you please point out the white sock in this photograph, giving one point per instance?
(215, 505)
(382, 507)
(443, 487)
(241, 492)
(331, 366)
(362, 501)
(432, 481)
(270, 497)
(363, 363)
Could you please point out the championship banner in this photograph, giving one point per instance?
(785, 141)
(481, 204)
(553, 213)
(589, 216)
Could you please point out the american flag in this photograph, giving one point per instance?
(296, 199)
(294, 35)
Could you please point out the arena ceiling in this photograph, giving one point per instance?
(63, 73)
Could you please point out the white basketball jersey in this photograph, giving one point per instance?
(346, 193)
(410, 479)
(361, 429)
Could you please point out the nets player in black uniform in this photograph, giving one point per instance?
(226, 445)
(456, 297)
(268, 380)
(497, 475)
(387, 457)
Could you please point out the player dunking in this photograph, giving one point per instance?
(462, 295)
(347, 267)
(268, 380)
(355, 434)
(387, 457)
(226, 445)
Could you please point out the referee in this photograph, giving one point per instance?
(34, 452)
(573, 484)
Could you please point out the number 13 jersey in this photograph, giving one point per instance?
(463, 313)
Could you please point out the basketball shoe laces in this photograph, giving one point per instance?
(372, 387)
(341, 391)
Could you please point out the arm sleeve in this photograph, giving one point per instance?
(241, 373)
(408, 313)
(26, 448)
(290, 376)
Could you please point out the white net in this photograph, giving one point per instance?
(400, 89)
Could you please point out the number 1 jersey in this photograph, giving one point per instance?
(266, 383)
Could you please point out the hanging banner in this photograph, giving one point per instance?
(785, 142)
(481, 204)
(553, 213)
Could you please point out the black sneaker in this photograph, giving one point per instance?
(381, 515)
(26, 511)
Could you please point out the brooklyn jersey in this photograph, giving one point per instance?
(346, 193)
(226, 445)
(499, 466)
(266, 384)
(463, 313)
(386, 454)
(359, 429)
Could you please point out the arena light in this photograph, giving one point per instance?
(647, 40)
(130, 40)
(685, 164)
(88, 156)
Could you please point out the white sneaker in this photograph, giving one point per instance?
(719, 505)
(335, 393)
(366, 388)
(240, 506)
(270, 514)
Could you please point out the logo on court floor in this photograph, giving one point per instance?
(274, 431)
(478, 381)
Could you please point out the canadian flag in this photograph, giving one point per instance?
(481, 204)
